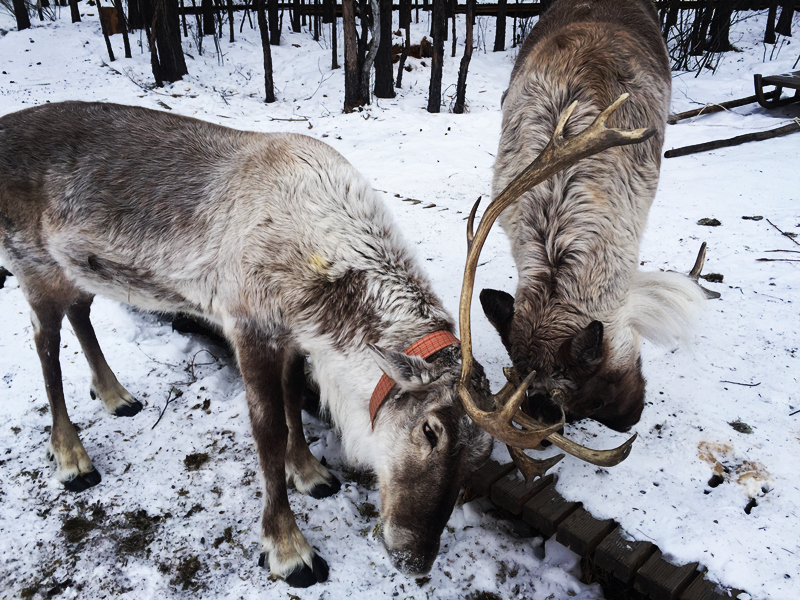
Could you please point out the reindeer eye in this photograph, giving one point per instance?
(429, 433)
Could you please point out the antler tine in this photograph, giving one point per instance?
(601, 458)
(471, 222)
(698, 263)
(559, 153)
(532, 467)
(698, 268)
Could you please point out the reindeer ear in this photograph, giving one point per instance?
(587, 345)
(499, 309)
(411, 373)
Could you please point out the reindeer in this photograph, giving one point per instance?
(280, 243)
(581, 305)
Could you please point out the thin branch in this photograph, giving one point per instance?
(744, 384)
(178, 394)
(783, 233)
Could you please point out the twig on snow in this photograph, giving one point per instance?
(783, 233)
(178, 394)
(744, 384)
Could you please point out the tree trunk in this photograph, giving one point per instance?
(74, 11)
(461, 86)
(21, 14)
(230, 18)
(366, 68)
(721, 26)
(352, 96)
(124, 27)
(405, 23)
(784, 26)
(264, 29)
(769, 34)
(135, 17)
(500, 35)
(296, 16)
(167, 32)
(439, 25)
(453, 4)
(384, 80)
(207, 6)
(274, 23)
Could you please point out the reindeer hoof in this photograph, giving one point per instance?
(128, 410)
(307, 576)
(83, 482)
(323, 490)
(304, 576)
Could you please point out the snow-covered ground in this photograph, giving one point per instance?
(156, 528)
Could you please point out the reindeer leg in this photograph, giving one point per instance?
(262, 364)
(302, 467)
(74, 467)
(104, 383)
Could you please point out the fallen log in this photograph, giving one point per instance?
(711, 108)
(735, 141)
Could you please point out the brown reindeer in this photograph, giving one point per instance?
(581, 305)
(280, 243)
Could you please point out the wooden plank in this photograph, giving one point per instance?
(702, 589)
(582, 533)
(486, 476)
(547, 509)
(622, 557)
(511, 492)
(662, 580)
(791, 80)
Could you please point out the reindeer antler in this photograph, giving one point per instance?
(559, 153)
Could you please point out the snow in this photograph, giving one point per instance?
(429, 168)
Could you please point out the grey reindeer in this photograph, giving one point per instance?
(582, 305)
(280, 243)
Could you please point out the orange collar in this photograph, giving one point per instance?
(425, 347)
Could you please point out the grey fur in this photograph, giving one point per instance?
(277, 240)
(575, 238)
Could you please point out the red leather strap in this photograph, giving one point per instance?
(425, 347)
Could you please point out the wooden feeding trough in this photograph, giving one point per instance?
(637, 564)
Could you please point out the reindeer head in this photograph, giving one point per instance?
(579, 371)
(429, 448)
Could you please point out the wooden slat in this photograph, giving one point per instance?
(621, 557)
(664, 581)
(702, 589)
(582, 533)
(791, 80)
(547, 509)
(512, 492)
(485, 477)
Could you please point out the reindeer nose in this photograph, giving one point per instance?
(411, 553)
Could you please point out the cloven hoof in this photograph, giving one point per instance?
(323, 490)
(304, 576)
(128, 410)
(83, 482)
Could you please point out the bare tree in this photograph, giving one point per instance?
(352, 89)
(274, 23)
(75, 12)
(500, 34)
(461, 86)
(384, 80)
(264, 29)
(405, 23)
(438, 27)
(21, 14)
(366, 68)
